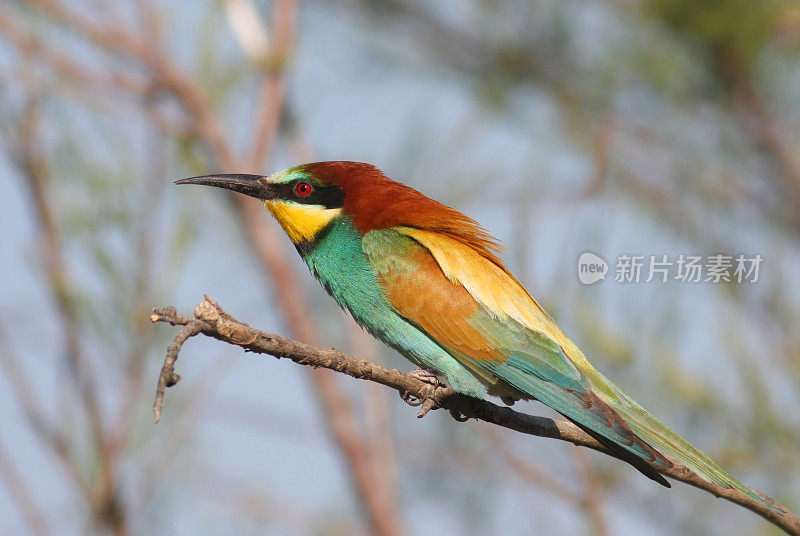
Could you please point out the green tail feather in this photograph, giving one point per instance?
(664, 439)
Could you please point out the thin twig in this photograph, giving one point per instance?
(34, 169)
(64, 65)
(592, 497)
(168, 378)
(272, 57)
(18, 490)
(530, 472)
(214, 322)
(22, 389)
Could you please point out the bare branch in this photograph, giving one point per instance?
(528, 471)
(34, 169)
(22, 389)
(592, 499)
(270, 53)
(212, 321)
(21, 495)
(64, 65)
(168, 378)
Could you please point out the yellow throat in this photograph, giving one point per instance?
(301, 222)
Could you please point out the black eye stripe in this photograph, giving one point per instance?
(327, 196)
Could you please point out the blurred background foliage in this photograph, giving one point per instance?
(644, 127)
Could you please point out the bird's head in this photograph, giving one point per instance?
(306, 199)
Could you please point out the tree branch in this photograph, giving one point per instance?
(21, 495)
(211, 320)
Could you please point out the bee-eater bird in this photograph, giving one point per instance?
(427, 281)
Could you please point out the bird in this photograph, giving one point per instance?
(428, 281)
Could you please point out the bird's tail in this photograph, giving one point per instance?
(665, 440)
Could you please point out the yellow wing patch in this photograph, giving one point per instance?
(491, 285)
(301, 222)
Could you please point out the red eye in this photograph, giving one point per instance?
(303, 189)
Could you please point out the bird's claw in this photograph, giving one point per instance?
(410, 399)
(425, 375)
(426, 404)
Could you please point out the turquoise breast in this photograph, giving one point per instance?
(337, 260)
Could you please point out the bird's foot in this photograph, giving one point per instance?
(426, 403)
(427, 376)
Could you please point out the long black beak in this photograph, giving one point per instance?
(252, 185)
